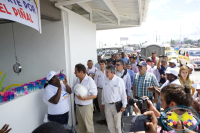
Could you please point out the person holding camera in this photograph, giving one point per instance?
(172, 95)
(114, 99)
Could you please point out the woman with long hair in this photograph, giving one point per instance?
(184, 78)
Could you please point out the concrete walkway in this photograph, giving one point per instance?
(97, 127)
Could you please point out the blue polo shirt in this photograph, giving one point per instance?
(124, 59)
(162, 71)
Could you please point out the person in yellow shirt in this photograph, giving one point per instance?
(185, 79)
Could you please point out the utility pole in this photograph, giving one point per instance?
(180, 33)
(156, 36)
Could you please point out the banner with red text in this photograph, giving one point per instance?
(26, 12)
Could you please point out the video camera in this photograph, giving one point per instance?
(141, 102)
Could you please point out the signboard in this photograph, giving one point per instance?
(26, 12)
(124, 39)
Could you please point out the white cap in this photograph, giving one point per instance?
(196, 86)
(173, 71)
(190, 66)
(51, 74)
(173, 61)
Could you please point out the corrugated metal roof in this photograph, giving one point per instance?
(111, 14)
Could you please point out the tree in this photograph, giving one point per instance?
(189, 41)
(172, 42)
(105, 44)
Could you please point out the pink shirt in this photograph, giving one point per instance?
(149, 69)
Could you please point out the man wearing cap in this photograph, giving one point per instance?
(113, 92)
(55, 95)
(84, 105)
(125, 59)
(133, 62)
(172, 77)
(149, 65)
(196, 95)
(173, 64)
(154, 58)
(142, 81)
(191, 69)
(98, 79)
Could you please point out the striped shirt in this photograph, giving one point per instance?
(142, 82)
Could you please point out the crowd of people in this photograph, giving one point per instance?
(112, 83)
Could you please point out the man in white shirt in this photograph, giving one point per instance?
(98, 79)
(196, 95)
(91, 69)
(113, 92)
(173, 64)
(97, 65)
(191, 69)
(84, 105)
(120, 72)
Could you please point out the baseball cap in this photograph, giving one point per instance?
(149, 60)
(133, 57)
(173, 61)
(153, 52)
(51, 74)
(142, 63)
(172, 71)
(196, 86)
(190, 66)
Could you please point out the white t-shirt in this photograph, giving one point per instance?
(196, 96)
(62, 106)
(173, 82)
(92, 70)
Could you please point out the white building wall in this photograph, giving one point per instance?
(80, 46)
(60, 47)
(38, 54)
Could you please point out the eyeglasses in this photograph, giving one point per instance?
(117, 64)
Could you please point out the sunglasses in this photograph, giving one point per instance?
(117, 64)
(139, 66)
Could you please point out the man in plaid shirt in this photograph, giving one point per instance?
(143, 80)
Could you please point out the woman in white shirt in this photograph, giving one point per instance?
(56, 97)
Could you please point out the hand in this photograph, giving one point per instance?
(151, 107)
(153, 124)
(65, 81)
(122, 109)
(5, 129)
(136, 109)
(179, 126)
(154, 89)
(162, 76)
(80, 97)
(102, 107)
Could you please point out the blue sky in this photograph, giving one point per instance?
(164, 16)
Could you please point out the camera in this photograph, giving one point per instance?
(141, 102)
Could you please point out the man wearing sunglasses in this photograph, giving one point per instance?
(143, 80)
(120, 72)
